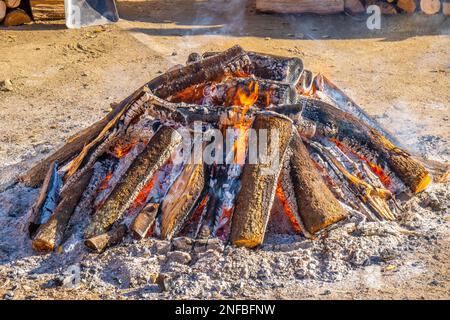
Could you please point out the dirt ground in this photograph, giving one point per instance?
(63, 80)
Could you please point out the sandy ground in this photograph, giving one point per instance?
(64, 80)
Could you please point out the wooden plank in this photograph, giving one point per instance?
(300, 6)
(47, 9)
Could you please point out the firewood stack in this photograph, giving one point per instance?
(18, 12)
(321, 158)
(353, 6)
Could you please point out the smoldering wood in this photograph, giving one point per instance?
(209, 69)
(271, 67)
(334, 123)
(254, 200)
(144, 221)
(106, 240)
(157, 152)
(74, 145)
(181, 198)
(49, 234)
(318, 207)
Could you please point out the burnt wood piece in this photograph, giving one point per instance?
(209, 69)
(35, 210)
(108, 239)
(144, 221)
(74, 145)
(157, 152)
(181, 198)
(269, 92)
(258, 184)
(345, 103)
(318, 208)
(271, 67)
(334, 123)
(51, 232)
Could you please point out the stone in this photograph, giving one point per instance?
(179, 257)
(6, 85)
(164, 282)
(182, 244)
(162, 247)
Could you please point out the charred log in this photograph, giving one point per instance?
(334, 123)
(51, 232)
(157, 152)
(258, 185)
(181, 199)
(144, 221)
(103, 241)
(318, 208)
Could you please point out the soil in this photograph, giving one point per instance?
(64, 80)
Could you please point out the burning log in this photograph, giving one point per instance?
(144, 221)
(51, 232)
(333, 123)
(157, 152)
(271, 67)
(258, 185)
(181, 199)
(318, 208)
(208, 69)
(103, 241)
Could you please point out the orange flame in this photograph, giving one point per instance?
(227, 213)
(287, 209)
(141, 198)
(105, 181)
(121, 151)
(192, 94)
(379, 172)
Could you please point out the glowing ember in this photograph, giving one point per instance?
(121, 151)
(141, 198)
(385, 180)
(105, 181)
(287, 209)
(224, 222)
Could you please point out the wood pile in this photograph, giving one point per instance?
(18, 12)
(353, 6)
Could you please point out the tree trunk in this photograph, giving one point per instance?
(47, 9)
(409, 6)
(300, 6)
(258, 184)
(430, 6)
(16, 17)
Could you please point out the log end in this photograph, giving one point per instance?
(97, 244)
(41, 245)
(422, 184)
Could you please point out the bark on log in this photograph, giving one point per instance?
(271, 67)
(430, 6)
(300, 6)
(16, 17)
(157, 152)
(2, 10)
(12, 4)
(209, 69)
(47, 9)
(111, 238)
(354, 6)
(258, 184)
(75, 144)
(144, 221)
(50, 233)
(181, 198)
(334, 123)
(409, 6)
(318, 208)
